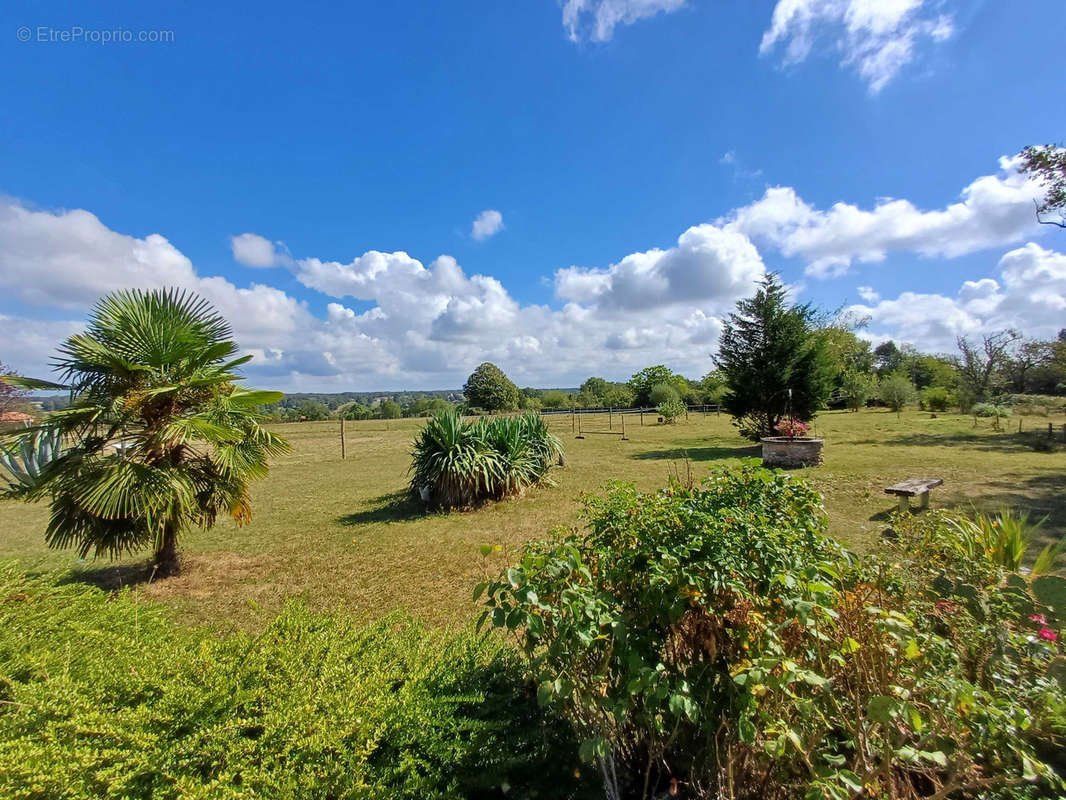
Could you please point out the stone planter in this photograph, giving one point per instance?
(785, 452)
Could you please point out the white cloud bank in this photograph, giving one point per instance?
(877, 38)
(427, 326)
(597, 19)
(993, 210)
(422, 326)
(1030, 296)
(488, 223)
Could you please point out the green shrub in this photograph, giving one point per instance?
(896, 391)
(715, 639)
(663, 393)
(457, 464)
(671, 410)
(937, 398)
(857, 388)
(990, 410)
(553, 398)
(103, 697)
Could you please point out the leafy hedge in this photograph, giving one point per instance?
(458, 464)
(103, 697)
(714, 642)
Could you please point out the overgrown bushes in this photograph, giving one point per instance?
(937, 398)
(104, 698)
(671, 410)
(458, 464)
(713, 642)
(990, 410)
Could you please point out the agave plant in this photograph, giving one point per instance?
(27, 459)
(159, 436)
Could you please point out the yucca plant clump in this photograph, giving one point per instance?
(457, 464)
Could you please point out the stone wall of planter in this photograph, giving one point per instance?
(781, 451)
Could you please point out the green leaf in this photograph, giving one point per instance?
(591, 748)
(479, 590)
(486, 549)
(544, 693)
(33, 384)
(881, 709)
(246, 398)
(746, 730)
(677, 704)
(850, 780)
(912, 650)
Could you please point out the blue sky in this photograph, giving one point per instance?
(356, 146)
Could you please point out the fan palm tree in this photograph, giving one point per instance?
(158, 437)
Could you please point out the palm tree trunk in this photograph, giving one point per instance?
(165, 561)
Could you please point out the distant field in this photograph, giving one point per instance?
(342, 535)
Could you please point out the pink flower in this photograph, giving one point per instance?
(791, 427)
(1038, 618)
(1048, 634)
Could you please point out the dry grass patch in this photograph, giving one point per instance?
(344, 535)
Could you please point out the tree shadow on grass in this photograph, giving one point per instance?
(700, 453)
(1001, 442)
(398, 506)
(111, 577)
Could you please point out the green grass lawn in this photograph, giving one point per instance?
(342, 534)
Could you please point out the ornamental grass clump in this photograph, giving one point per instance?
(458, 464)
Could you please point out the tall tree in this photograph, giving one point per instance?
(488, 388)
(597, 387)
(981, 367)
(773, 363)
(158, 437)
(887, 358)
(1046, 164)
(644, 381)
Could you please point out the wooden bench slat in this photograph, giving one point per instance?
(914, 486)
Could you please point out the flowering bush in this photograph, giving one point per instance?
(792, 428)
(714, 642)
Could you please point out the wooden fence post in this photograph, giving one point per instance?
(610, 418)
(342, 438)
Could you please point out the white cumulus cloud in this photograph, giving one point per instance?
(877, 38)
(868, 294)
(597, 19)
(1029, 295)
(993, 210)
(254, 250)
(488, 223)
(708, 264)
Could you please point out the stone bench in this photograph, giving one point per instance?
(913, 487)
